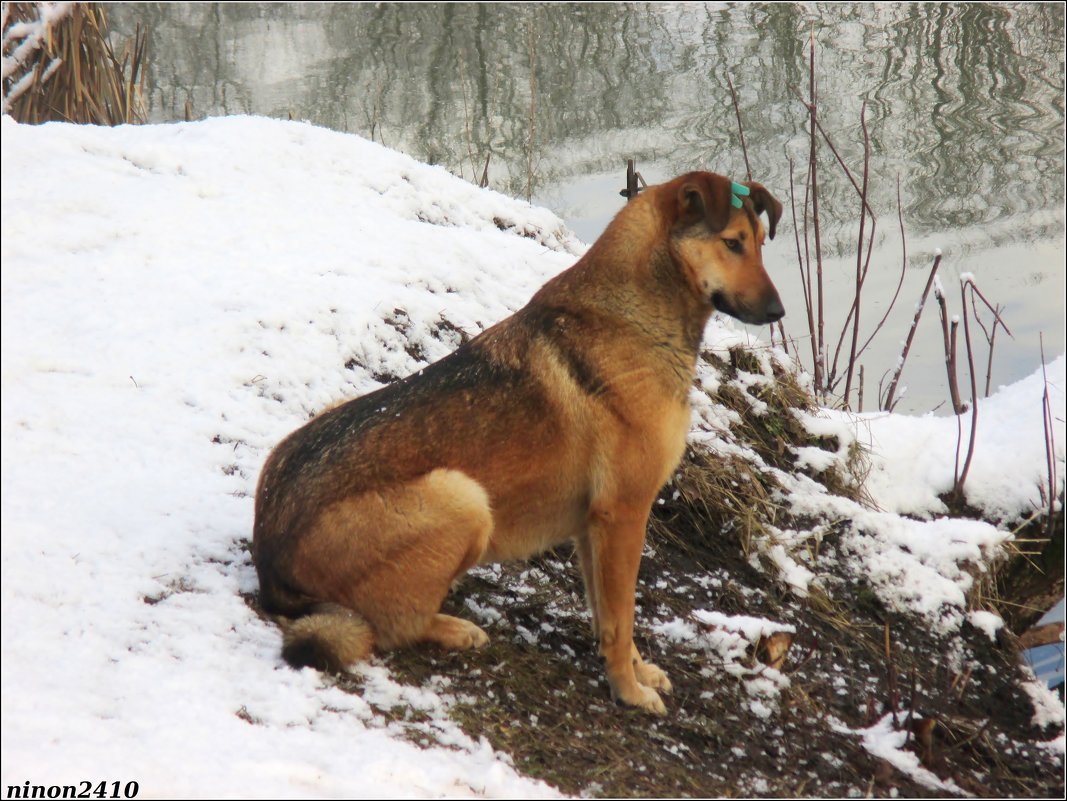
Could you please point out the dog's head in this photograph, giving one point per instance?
(717, 242)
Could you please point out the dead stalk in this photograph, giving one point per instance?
(531, 44)
(813, 172)
(958, 490)
(891, 392)
(903, 270)
(805, 278)
(950, 352)
(860, 272)
(990, 335)
(1050, 444)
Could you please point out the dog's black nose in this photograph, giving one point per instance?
(774, 311)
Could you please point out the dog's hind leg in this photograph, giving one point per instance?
(392, 555)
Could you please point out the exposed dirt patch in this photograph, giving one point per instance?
(538, 691)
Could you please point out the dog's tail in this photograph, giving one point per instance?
(329, 638)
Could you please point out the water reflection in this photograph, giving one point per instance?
(965, 105)
(965, 101)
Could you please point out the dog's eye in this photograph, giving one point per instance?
(733, 244)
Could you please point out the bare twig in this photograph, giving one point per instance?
(888, 404)
(859, 254)
(813, 171)
(950, 352)
(966, 282)
(805, 280)
(740, 128)
(1050, 444)
(531, 46)
(990, 338)
(903, 270)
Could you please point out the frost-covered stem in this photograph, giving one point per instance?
(860, 399)
(859, 253)
(740, 128)
(974, 389)
(892, 391)
(805, 279)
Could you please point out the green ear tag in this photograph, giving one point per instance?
(737, 190)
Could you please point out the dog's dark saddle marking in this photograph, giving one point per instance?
(562, 329)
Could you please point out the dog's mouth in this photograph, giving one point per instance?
(769, 311)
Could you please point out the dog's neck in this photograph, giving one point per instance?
(631, 275)
(635, 289)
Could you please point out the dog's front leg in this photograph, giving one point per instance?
(647, 673)
(610, 561)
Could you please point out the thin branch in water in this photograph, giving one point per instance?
(900, 281)
(531, 46)
(740, 128)
(805, 278)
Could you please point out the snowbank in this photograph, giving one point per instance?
(175, 299)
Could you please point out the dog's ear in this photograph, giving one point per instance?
(705, 196)
(764, 201)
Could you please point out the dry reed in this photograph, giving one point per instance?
(59, 65)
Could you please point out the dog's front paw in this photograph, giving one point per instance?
(642, 697)
(652, 676)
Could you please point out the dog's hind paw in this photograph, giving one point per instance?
(455, 633)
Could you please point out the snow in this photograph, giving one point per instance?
(885, 741)
(914, 458)
(725, 643)
(986, 622)
(175, 299)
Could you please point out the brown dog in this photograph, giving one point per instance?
(559, 423)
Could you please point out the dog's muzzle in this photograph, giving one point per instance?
(770, 311)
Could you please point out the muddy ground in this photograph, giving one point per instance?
(538, 691)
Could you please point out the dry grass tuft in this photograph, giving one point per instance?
(59, 65)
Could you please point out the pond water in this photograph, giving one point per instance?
(964, 108)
